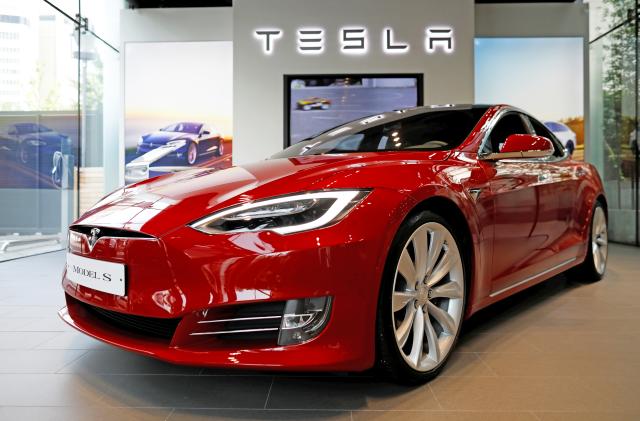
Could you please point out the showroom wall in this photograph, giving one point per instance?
(258, 77)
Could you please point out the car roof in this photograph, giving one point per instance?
(397, 115)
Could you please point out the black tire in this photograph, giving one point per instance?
(587, 271)
(570, 147)
(390, 362)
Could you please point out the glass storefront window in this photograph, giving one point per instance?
(614, 121)
(99, 89)
(47, 137)
(38, 127)
(103, 18)
(604, 15)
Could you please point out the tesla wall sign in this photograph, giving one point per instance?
(356, 40)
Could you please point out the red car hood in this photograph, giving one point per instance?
(160, 205)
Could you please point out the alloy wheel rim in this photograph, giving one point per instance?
(24, 155)
(192, 154)
(599, 240)
(428, 297)
(56, 172)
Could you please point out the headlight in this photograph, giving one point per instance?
(177, 143)
(285, 214)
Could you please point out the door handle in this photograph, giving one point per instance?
(542, 177)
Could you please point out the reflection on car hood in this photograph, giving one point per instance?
(160, 205)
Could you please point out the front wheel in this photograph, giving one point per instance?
(192, 153)
(595, 263)
(422, 300)
(57, 168)
(23, 153)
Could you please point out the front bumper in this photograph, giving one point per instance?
(185, 273)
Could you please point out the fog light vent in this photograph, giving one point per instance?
(303, 319)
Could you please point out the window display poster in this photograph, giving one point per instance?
(543, 76)
(178, 107)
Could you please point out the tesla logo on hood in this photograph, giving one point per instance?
(93, 238)
(355, 40)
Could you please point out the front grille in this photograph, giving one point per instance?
(108, 232)
(243, 322)
(147, 326)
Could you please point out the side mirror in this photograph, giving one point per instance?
(518, 146)
(205, 132)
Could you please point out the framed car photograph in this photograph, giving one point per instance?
(315, 103)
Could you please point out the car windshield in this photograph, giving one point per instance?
(430, 129)
(24, 128)
(193, 128)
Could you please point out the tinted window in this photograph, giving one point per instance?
(431, 130)
(505, 127)
(193, 128)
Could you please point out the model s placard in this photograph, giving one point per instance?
(316, 103)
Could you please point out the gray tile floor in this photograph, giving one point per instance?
(558, 351)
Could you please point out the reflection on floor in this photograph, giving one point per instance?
(558, 351)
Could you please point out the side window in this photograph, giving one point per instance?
(541, 130)
(434, 130)
(509, 124)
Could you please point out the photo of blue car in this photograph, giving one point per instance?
(36, 147)
(189, 141)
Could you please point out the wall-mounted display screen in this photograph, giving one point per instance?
(178, 106)
(315, 103)
(543, 76)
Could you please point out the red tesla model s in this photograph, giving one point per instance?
(366, 245)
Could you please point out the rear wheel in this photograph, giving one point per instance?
(220, 150)
(422, 300)
(595, 263)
